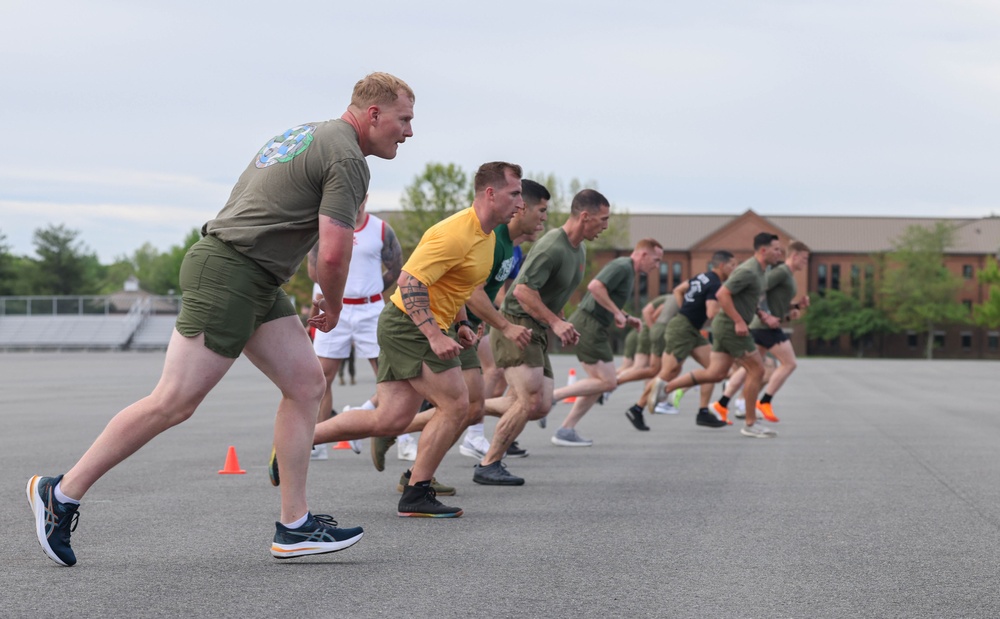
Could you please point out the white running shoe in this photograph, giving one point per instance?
(355, 446)
(319, 452)
(655, 394)
(406, 447)
(741, 408)
(474, 446)
(758, 431)
(666, 408)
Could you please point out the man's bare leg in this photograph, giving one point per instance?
(531, 399)
(602, 376)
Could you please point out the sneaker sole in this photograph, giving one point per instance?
(38, 508)
(497, 482)
(510, 455)
(470, 452)
(755, 435)
(288, 551)
(272, 469)
(712, 424)
(564, 443)
(425, 515)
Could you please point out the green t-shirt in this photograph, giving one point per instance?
(272, 215)
(618, 277)
(747, 286)
(553, 268)
(781, 290)
(503, 262)
(669, 309)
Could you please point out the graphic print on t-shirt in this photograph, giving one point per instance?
(284, 147)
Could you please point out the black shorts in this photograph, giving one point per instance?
(768, 338)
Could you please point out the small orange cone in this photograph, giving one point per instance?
(342, 445)
(232, 466)
(570, 381)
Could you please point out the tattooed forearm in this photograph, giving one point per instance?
(392, 258)
(416, 299)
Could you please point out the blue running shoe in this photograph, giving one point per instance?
(54, 521)
(317, 536)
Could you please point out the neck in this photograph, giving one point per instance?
(351, 118)
(574, 230)
(485, 218)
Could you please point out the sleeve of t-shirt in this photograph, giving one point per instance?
(776, 277)
(535, 271)
(518, 261)
(712, 287)
(435, 255)
(739, 280)
(613, 276)
(344, 191)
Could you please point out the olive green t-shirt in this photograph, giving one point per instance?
(272, 215)
(746, 285)
(669, 310)
(553, 268)
(618, 277)
(781, 290)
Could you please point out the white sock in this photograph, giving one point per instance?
(368, 406)
(62, 498)
(404, 437)
(474, 430)
(298, 523)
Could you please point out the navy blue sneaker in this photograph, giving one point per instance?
(317, 536)
(54, 521)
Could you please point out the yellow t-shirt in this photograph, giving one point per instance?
(453, 257)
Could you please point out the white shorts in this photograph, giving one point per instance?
(357, 326)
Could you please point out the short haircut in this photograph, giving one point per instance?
(797, 246)
(494, 174)
(648, 245)
(379, 89)
(763, 239)
(589, 200)
(719, 258)
(533, 192)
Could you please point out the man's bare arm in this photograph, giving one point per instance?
(392, 258)
(333, 260)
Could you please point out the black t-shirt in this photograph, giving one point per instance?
(703, 289)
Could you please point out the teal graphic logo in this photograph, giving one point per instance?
(285, 147)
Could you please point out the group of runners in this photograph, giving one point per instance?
(306, 188)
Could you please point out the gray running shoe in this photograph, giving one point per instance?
(495, 474)
(380, 446)
(568, 437)
(758, 431)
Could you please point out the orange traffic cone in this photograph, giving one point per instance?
(570, 381)
(342, 445)
(232, 466)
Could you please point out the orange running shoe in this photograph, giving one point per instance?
(722, 412)
(765, 410)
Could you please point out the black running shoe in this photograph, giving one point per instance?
(317, 536)
(495, 474)
(636, 418)
(421, 502)
(54, 521)
(516, 452)
(709, 420)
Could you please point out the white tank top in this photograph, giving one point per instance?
(364, 279)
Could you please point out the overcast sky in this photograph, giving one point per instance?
(130, 121)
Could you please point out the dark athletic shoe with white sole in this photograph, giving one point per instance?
(54, 521)
(319, 535)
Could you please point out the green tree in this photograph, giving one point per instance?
(157, 272)
(6, 267)
(987, 313)
(438, 192)
(918, 287)
(65, 266)
(836, 314)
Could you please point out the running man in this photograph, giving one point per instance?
(418, 359)
(739, 299)
(781, 292)
(304, 184)
(601, 307)
(549, 276)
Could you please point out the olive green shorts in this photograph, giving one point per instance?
(657, 338)
(506, 354)
(595, 343)
(227, 296)
(682, 337)
(724, 339)
(469, 357)
(403, 349)
(644, 345)
(631, 343)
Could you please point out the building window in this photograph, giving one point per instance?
(993, 341)
(821, 278)
(966, 340)
(967, 271)
(911, 339)
(939, 339)
(835, 277)
(869, 284)
(856, 281)
(678, 273)
(664, 278)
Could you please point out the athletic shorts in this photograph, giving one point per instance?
(724, 339)
(403, 349)
(682, 338)
(595, 343)
(768, 338)
(643, 348)
(358, 326)
(506, 354)
(469, 357)
(631, 343)
(227, 296)
(657, 338)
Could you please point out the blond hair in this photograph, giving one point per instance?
(379, 89)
